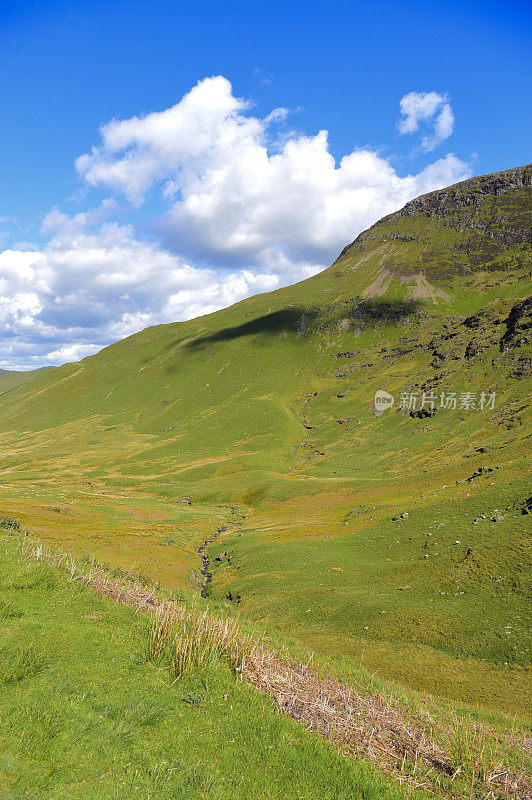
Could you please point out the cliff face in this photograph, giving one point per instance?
(481, 223)
(472, 192)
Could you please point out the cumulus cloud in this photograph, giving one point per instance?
(430, 109)
(244, 206)
(240, 195)
(138, 151)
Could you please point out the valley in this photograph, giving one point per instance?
(391, 543)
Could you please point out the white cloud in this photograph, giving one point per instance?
(417, 106)
(206, 121)
(239, 195)
(444, 123)
(430, 108)
(71, 352)
(241, 210)
(18, 310)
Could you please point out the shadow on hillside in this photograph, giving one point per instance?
(287, 319)
(299, 320)
(384, 311)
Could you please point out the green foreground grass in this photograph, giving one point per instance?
(84, 715)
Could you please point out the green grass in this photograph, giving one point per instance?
(85, 714)
(10, 380)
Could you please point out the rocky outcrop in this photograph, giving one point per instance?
(491, 213)
(467, 193)
(518, 325)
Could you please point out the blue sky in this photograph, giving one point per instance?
(168, 214)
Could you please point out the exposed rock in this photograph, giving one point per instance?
(422, 413)
(518, 323)
(474, 321)
(523, 367)
(469, 192)
(304, 323)
(479, 209)
(347, 354)
(472, 349)
(355, 512)
(481, 471)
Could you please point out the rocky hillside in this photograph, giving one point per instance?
(479, 224)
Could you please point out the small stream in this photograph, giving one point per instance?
(201, 551)
(207, 576)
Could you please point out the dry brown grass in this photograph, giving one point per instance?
(193, 639)
(420, 745)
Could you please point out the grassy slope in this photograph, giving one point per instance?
(10, 380)
(240, 412)
(83, 714)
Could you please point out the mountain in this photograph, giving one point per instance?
(395, 536)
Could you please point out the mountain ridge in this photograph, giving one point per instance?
(473, 196)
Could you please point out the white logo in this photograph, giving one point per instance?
(383, 400)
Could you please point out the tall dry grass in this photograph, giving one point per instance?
(189, 639)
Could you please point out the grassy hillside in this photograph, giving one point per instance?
(10, 379)
(255, 427)
(84, 713)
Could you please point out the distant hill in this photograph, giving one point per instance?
(11, 378)
(393, 536)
